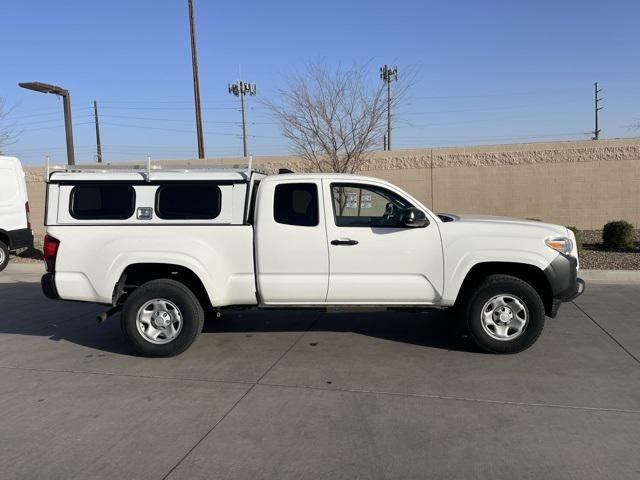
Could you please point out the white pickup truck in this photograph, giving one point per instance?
(164, 245)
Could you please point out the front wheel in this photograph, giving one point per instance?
(162, 318)
(505, 315)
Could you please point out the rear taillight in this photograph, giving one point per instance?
(49, 251)
(28, 212)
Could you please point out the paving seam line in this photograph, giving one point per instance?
(452, 397)
(179, 462)
(311, 387)
(164, 377)
(126, 375)
(607, 333)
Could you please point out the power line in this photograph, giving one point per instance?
(501, 137)
(510, 94)
(165, 129)
(180, 120)
(44, 114)
(168, 108)
(58, 126)
(489, 109)
(39, 122)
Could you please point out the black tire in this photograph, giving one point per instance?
(4, 256)
(189, 308)
(495, 285)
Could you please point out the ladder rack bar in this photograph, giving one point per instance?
(147, 168)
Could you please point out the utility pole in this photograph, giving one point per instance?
(384, 142)
(388, 75)
(98, 145)
(196, 83)
(596, 131)
(240, 89)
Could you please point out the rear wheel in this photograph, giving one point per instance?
(162, 318)
(505, 315)
(4, 256)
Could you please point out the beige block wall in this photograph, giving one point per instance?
(584, 183)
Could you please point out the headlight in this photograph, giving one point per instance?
(561, 244)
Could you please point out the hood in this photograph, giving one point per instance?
(488, 219)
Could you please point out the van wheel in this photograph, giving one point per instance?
(505, 315)
(162, 318)
(4, 256)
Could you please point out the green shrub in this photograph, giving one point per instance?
(579, 236)
(618, 234)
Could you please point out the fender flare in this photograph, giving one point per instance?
(124, 261)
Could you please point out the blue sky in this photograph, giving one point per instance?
(486, 71)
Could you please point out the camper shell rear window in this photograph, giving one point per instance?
(102, 201)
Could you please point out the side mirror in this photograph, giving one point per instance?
(414, 217)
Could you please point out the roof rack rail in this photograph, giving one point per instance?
(145, 169)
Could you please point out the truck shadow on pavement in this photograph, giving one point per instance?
(24, 311)
(435, 329)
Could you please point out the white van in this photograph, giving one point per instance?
(15, 227)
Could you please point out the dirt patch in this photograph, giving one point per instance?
(594, 256)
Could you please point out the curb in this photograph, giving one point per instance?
(610, 276)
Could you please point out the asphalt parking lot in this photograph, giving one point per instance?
(295, 394)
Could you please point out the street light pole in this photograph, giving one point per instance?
(68, 128)
(66, 103)
(239, 89)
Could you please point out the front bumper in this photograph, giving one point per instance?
(562, 275)
(576, 292)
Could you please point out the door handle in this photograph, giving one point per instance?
(344, 242)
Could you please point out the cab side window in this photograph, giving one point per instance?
(296, 204)
(360, 205)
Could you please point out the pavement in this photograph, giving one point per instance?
(298, 394)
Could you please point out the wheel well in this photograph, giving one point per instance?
(528, 273)
(140, 273)
(4, 238)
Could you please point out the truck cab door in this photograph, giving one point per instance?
(292, 260)
(374, 257)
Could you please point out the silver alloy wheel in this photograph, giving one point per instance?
(159, 321)
(2, 257)
(504, 317)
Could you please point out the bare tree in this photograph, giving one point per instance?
(7, 133)
(333, 118)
